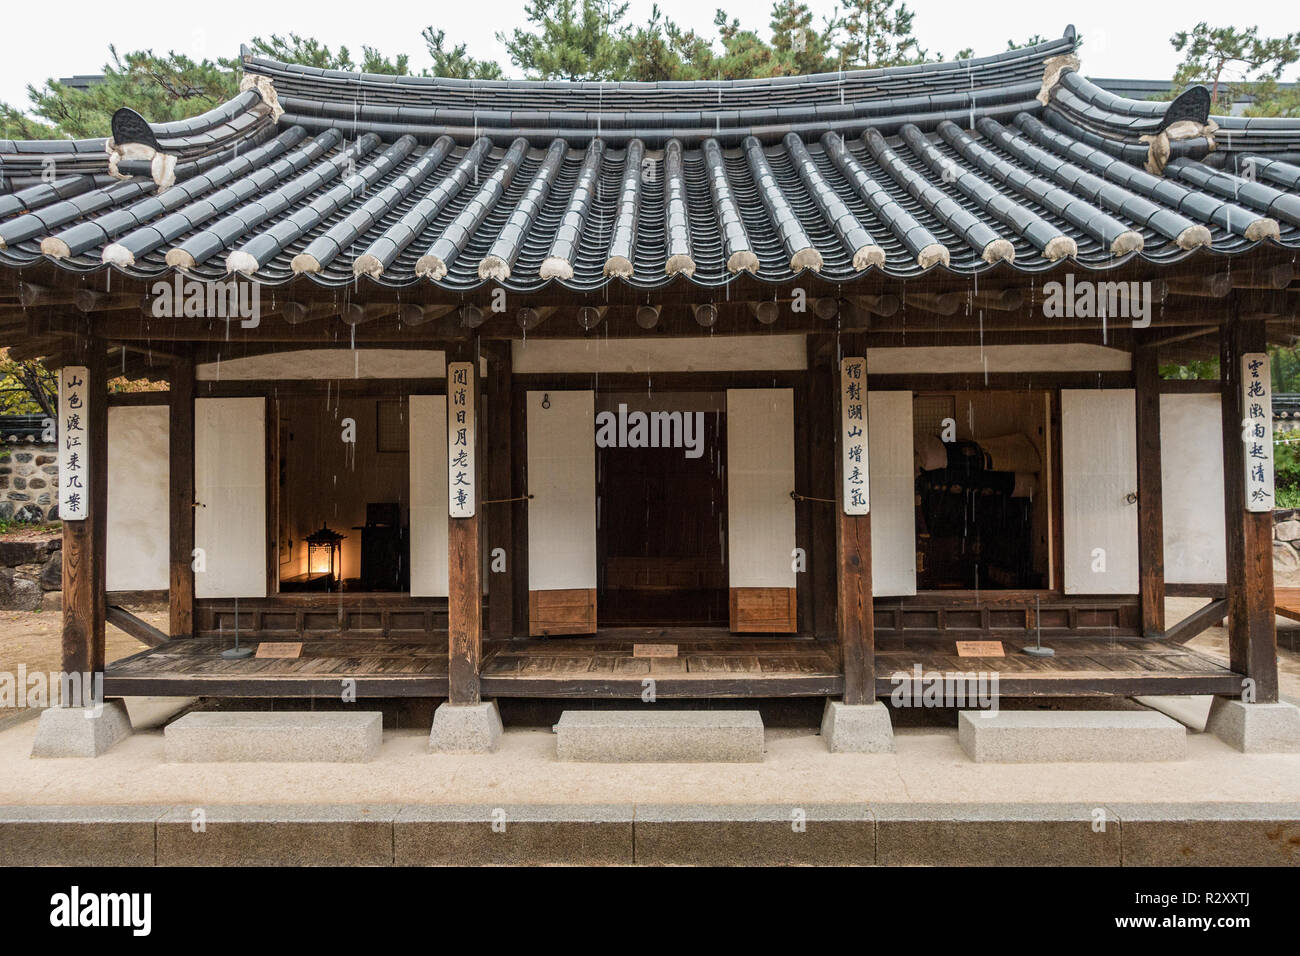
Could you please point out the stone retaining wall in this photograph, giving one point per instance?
(31, 574)
(29, 481)
(1286, 547)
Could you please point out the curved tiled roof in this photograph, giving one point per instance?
(335, 178)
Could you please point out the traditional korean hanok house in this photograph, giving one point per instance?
(768, 388)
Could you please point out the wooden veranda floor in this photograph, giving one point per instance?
(709, 663)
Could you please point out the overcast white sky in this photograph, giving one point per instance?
(1123, 37)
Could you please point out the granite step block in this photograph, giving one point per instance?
(660, 736)
(1051, 736)
(267, 736)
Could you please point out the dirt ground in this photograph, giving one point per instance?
(34, 640)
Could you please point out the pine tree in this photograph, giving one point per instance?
(456, 62)
(570, 40)
(877, 34)
(160, 88)
(798, 47)
(1226, 58)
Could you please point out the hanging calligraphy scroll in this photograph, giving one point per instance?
(460, 440)
(74, 444)
(1257, 430)
(853, 435)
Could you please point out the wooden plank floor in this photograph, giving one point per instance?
(1081, 667)
(709, 663)
(1287, 601)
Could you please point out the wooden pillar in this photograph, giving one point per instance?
(464, 541)
(498, 469)
(84, 541)
(854, 622)
(180, 418)
(1151, 523)
(1252, 637)
(822, 425)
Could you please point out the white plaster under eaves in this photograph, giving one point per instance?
(762, 353)
(718, 353)
(312, 364)
(933, 360)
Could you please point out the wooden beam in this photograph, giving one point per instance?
(1275, 276)
(942, 303)
(1210, 285)
(855, 624)
(1252, 638)
(1267, 303)
(180, 497)
(999, 300)
(500, 517)
(882, 305)
(141, 630)
(88, 300)
(1151, 533)
(30, 295)
(464, 553)
(83, 541)
(1211, 615)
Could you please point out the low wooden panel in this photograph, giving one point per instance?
(563, 611)
(763, 611)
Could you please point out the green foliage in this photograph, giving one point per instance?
(311, 52)
(878, 33)
(562, 39)
(1034, 40)
(1271, 100)
(569, 40)
(161, 88)
(1286, 469)
(26, 388)
(1286, 497)
(1230, 60)
(1195, 368)
(1284, 362)
(1284, 368)
(9, 524)
(661, 50)
(456, 61)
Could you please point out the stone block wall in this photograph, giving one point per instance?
(31, 574)
(29, 481)
(1286, 548)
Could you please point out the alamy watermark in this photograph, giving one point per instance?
(1086, 299)
(922, 688)
(651, 430)
(39, 689)
(207, 299)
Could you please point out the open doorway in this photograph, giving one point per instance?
(983, 489)
(343, 482)
(661, 509)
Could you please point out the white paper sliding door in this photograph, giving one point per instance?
(1099, 488)
(1191, 478)
(893, 493)
(760, 511)
(428, 444)
(230, 486)
(562, 512)
(138, 515)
